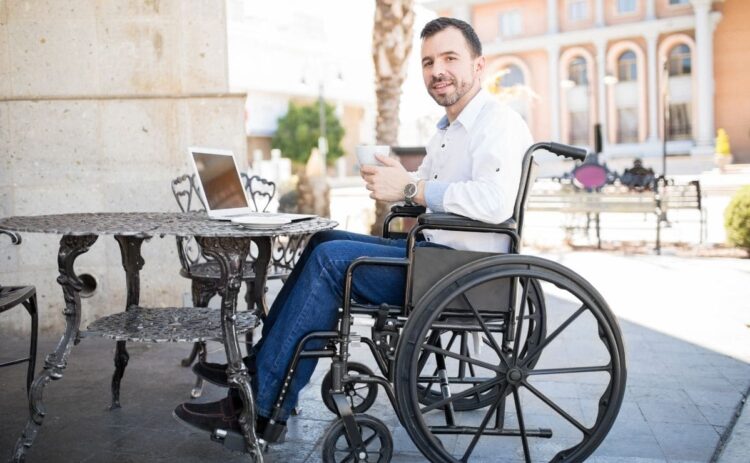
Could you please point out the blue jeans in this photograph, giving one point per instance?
(309, 301)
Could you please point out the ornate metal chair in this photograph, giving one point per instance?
(205, 273)
(12, 296)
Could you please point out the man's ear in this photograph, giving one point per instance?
(479, 64)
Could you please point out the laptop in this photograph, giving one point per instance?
(221, 188)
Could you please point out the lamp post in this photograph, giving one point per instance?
(322, 138)
(665, 117)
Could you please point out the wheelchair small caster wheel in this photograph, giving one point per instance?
(377, 442)
(361, 396)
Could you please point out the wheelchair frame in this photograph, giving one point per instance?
(390, 321)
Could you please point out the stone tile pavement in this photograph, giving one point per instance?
(687, 342)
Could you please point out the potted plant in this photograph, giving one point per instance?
(723, 154)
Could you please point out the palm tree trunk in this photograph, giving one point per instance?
(391, 44)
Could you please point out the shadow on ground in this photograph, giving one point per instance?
(679, 401)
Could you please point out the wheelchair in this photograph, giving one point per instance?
(491, 356)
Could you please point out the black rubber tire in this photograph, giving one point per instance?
(428, 311)
(535, 334)
(360, 402)
(379, 448)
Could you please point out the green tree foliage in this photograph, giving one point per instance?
(737, 219)
(299, 129)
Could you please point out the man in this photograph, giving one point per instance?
(472, 168)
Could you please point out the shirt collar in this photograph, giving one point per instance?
(469, 113)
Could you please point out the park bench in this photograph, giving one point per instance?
(659, 199)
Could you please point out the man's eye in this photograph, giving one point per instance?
(426, 65)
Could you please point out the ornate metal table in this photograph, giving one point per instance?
(225, 242)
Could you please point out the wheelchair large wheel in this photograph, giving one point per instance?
(556, 400)
(467, 344)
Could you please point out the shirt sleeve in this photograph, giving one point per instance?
(496, 150)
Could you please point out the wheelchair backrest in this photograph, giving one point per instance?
(432, 264)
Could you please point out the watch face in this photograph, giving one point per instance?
(410, 190)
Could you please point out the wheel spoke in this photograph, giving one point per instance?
(521, 310)
(465, 393)
(486, 330)
(562, 371)
(522, 426)
(552, 336)
(483, 426)
(462, 357)
(586, 431)
(366, 442)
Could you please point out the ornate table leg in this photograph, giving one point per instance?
(230, 253)
(70, 248)
(132, 262)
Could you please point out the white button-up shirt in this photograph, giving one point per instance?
(473, 168)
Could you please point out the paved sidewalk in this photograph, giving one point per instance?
(684, 322)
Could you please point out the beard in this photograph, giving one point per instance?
(460, 88)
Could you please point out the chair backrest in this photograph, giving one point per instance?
(187, 193)
(260, 190)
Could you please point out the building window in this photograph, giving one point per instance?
(578, 10)
(511, 23)
(579, 128)
(679, 121)
(627, 70)
(680, 63)
(626, 6)
(627, 125)
(577, 71)
(511, 76)
(679, 2)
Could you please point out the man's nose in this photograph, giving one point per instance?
(438, 69)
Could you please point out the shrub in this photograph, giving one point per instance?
(737, 219)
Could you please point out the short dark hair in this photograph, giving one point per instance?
(439, 24)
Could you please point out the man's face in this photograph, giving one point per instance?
(448, 68)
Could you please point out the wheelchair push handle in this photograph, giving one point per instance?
(566, 151)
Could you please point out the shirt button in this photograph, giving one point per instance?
(443, 145)
(435, 176)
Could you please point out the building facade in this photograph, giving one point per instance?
(299, 51)
(566, 65)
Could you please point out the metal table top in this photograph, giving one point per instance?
(147, 224)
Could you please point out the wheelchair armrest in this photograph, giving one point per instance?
(402, 210)
(397, 211)
(459, 222)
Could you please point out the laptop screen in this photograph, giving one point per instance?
(221, 184)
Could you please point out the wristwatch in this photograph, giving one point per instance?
(410, 191)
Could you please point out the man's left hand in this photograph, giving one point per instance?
(386, 182)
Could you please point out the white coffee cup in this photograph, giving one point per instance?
(366, 154)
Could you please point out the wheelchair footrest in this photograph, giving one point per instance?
(230, 439)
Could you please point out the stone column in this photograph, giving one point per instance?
(704, 65)
(599, 13)
(601, 66)
(650, 9)
(653, 87)
(552, 19)
(553, 59)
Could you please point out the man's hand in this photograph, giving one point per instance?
(386, 182)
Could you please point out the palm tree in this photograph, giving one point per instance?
(391, 44)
